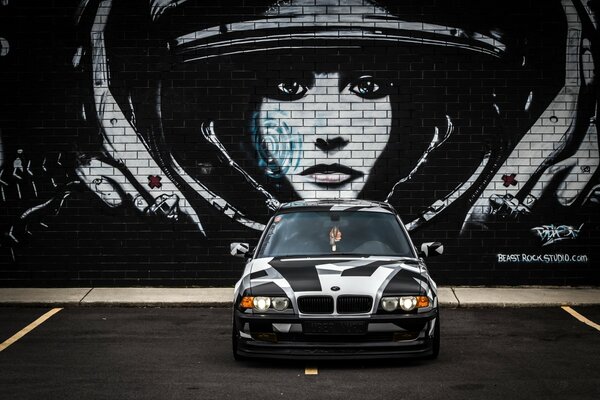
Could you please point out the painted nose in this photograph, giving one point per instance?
(336, 143)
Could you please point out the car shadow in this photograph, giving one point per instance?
(346, 364)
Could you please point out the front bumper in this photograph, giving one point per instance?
(372, 336)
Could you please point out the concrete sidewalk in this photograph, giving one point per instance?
(219, 297)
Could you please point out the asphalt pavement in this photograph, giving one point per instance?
(175, 343)
(185, 353)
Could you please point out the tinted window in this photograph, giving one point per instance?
(311, 233)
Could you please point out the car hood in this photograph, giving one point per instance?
(335, 276)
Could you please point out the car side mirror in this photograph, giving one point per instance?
(430, 249)
(240, 250)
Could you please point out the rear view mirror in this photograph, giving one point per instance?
(430, 249)
(240, 249)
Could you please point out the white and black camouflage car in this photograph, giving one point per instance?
(335, 279)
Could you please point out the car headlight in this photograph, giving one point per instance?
(261, 303)
(264, 303)
(280, 303)
(389, 303)
(408, 303)
(405, 303)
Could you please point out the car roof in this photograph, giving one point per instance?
(337, 204)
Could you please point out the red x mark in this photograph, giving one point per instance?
(509, 180)
(154, 181)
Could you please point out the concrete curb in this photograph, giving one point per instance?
(450, 297)
(526, 297)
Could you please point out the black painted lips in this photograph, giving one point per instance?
(332, 169)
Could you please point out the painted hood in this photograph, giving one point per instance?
(371, 276)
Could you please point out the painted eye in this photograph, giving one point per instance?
(367, 88)
(291, 90)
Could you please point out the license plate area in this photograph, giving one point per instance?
(329, 327)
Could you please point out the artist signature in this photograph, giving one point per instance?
(553, 233)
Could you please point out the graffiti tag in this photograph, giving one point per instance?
(552, 233)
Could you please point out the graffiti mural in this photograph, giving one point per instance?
(139, 138)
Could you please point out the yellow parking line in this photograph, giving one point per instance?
(28, 328)
(581, 317)
(311, 371)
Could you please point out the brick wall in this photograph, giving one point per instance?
(139, 138)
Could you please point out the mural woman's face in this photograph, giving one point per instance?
(323, 134)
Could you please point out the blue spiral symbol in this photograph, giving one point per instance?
(279, 149)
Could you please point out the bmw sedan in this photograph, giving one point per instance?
(335, 279)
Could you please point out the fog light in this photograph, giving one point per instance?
(265, 337)
(399, 336)
(408, 303)
(280, 303)
(261, 303)
(389, 303)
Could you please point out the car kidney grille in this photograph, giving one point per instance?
(316, 304)
(354, 304)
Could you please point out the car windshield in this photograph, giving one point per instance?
(317, 233)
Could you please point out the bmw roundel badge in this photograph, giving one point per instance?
(335, 288)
